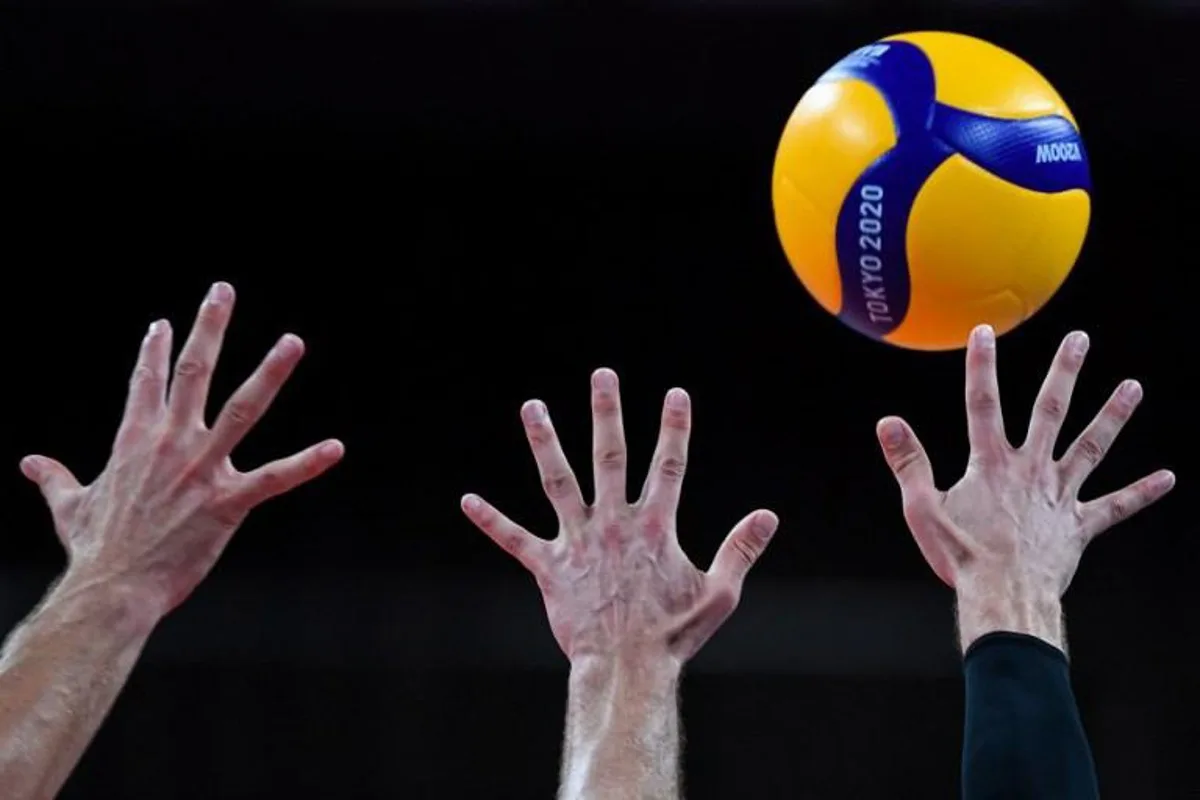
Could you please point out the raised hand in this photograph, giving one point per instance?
(1009, 535)
(615, 577)
(157, 518)
(626, 605)
(139, 538)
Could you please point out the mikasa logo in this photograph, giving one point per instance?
(1058, 151)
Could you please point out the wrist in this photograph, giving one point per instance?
(642, 670)
(124, 605)
(1012, 605)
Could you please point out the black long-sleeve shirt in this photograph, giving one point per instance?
(1023, 739)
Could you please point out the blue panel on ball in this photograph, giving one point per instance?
(902, 74)
(873, 221)
(1044, 154)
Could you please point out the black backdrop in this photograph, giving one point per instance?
(463, 208)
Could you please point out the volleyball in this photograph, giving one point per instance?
(928, 183)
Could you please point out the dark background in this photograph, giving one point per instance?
(461, 207)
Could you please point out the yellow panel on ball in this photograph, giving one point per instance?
(837, 130)
(928, 183)
(999, 267)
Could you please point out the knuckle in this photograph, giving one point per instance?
(192, 368)
(676, 418)
(210, 315)
(1052, 406)
(748, 549)
(270, 483)
(483, 516)
(982, 400)
(605, 404)
(904, 459)
(611, 459)
(557, 485)
(514, 544)
(1121, 409)
(1119, 509)
(142, 374)
(672, 468)
(243, 413)
(655, 527)
(1090, 450)
(165, 447)
(1072, 359)
(540, 433)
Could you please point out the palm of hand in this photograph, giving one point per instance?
(159, 515)
(1015, 515)
(615, 579)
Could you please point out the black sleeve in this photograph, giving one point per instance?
(1023, 738)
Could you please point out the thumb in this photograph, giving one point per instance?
(743, 546)
(55, 481)
(905, 456)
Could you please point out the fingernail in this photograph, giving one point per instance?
(533, 411)
(154, 329)
(221, 292)
(604, 379)
(1166, 479)
(289, 343)
(29, 466)
(765, 525)
(677, 399)
(332, 449)
(1131, 391)
(1079, 343)
(891, 432)
(470, 502)
(985, 336)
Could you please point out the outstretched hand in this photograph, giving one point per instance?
(158, 517)
(1014, 522)
(615, 578)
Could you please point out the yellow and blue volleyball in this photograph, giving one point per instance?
(928, 183)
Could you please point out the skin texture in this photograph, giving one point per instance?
(139, 538)
(625, 604)
(1008, 536)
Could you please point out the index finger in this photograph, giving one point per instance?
(198, 358)
(985, 424)
(558, 479)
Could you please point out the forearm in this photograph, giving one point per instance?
(1023, 736)
(60, 672)
(622, 736)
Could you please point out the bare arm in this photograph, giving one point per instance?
(622, 732)
(60, 674)
(139, 538)
(626, 605)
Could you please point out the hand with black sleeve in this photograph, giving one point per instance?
(1008, 538)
